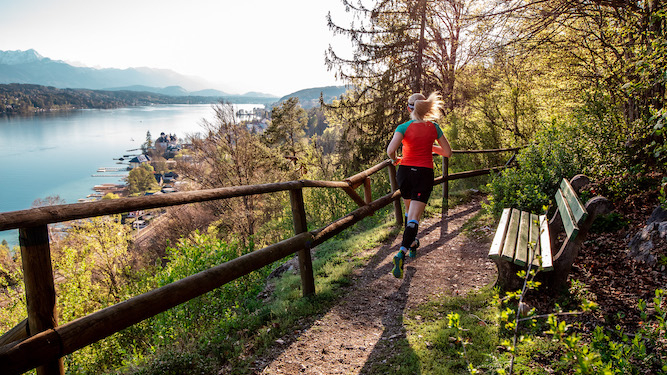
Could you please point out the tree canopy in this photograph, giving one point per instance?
(141, 179)
(506, 71)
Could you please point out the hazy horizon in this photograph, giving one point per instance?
(238, 47)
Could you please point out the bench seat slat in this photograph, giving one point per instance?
(521, 253)
(545, 244)
(576, 207)
(534, 239)
(499, 238)
(509, 245)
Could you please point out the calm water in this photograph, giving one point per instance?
(57, 154)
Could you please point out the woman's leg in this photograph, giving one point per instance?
(416, 210)
(412, 226)
(407, 209)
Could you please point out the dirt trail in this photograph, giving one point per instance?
(361, 328)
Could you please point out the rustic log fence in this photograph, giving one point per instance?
(39, 342)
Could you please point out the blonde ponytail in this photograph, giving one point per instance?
(425, 109)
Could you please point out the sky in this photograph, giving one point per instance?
(270, 46)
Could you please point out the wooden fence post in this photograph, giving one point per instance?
(39, 287)
(368, 193)
(445, 185)
(398, 211)
(301, 226)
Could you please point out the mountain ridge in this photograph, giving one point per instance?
(19, 57)
(31, 68)
(310, 97)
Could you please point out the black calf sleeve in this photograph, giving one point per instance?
(410, 233)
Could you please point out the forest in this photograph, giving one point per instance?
(578, 85)
(27, 99)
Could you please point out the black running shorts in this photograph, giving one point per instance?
(416, 183)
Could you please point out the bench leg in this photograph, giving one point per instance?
(507, 276)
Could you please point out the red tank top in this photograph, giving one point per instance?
(418, 138)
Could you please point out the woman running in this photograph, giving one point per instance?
(415, 172)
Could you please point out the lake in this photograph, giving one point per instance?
(58, 153)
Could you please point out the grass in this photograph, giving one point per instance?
(234, 342)
(473, 345)
(431, 345)
(456, 197)
(439, 347)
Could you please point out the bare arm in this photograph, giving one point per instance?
(444, 149)
(394, 145)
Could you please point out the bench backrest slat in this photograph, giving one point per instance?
(509, 244)
(569, 222)
(499, 237)
(578, 210)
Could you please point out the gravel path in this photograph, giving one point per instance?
(361, 328)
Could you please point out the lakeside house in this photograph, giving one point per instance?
(135, 214)
(167, 145)
(170, 177)
(138, 160)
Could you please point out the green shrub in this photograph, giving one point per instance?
(558, 153)
(610, 223)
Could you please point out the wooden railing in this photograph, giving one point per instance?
(39, 342)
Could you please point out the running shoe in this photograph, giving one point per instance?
(413, 248)
(398, 265)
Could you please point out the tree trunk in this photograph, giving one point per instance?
(418, 84)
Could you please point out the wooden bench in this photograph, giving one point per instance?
(524, 238)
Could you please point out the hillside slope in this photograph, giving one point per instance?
(366, 325)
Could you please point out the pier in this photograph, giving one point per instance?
(111, 169)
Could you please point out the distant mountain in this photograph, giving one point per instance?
(29, 67)
(32, 68)
(25, 99)
(171, 90)
(209, 92)
(310, 98)
(19, 57)
(215, 95)
(254, 94)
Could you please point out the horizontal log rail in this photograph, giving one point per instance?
(466, 174)
(20, 356)
(66, 212)
(490, 151)
(67, 338)
(21, 350)
(359, 178)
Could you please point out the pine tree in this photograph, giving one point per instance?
(400, 47)
(287, 128)
(148, 144)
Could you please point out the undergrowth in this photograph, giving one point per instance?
(215, 332)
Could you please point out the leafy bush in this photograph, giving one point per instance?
(605, 351)
(163, 344)
(610, 223)
(188, 258)
(615, 351)
(558, 153)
